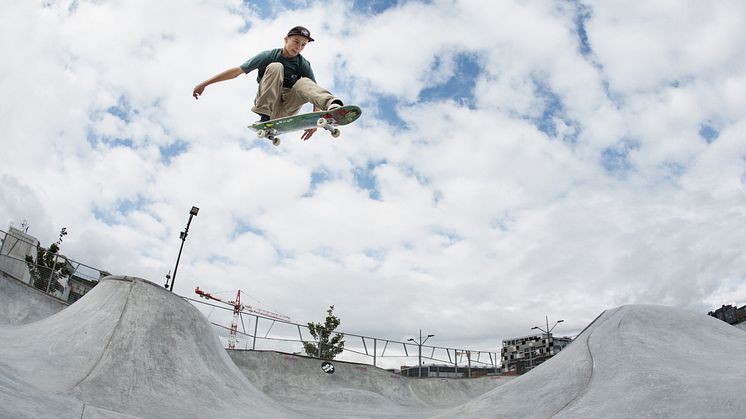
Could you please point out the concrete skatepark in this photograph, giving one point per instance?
(129, 348)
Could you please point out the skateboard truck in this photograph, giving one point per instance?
(269, 134)
(323, 122)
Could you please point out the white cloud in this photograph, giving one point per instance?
(646, 47)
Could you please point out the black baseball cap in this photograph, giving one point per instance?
(300, 30)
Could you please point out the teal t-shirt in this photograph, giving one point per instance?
(295, 67)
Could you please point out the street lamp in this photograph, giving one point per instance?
(419, 352)
(548, 332)
(183, 235)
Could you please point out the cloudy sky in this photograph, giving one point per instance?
(528, 159)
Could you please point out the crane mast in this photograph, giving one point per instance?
(237, 309)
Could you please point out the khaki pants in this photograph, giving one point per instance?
(277, 101)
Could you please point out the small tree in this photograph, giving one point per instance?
(48, 267)
(330, 346)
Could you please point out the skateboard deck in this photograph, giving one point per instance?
(329, 120)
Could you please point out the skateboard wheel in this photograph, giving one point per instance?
(261, 133)
(322, 122)
(336, 133)
(275, 141)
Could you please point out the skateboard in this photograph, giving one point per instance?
(329, 120)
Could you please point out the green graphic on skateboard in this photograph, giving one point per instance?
(329, 120)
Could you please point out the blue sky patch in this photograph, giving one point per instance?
(583, 14)
(121, 110)
(120, 142)
(170, 151)
(265, 9)
(708, 132)
(94, 140)
(318, 177)
(243, 228)
(366, 179)
(104, 216)
(460, 86)
(553, 109)
(616, 160)
(123, 208)
(449, 237)
(387, 106)
(672, 170)
(373, 7)
(126, 206)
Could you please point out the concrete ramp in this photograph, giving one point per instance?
(634, 361)
(128, 347)
(354, 390)
(21, 303)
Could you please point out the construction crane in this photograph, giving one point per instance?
(237, 309)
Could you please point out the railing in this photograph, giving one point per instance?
(257, 332)
(65, 279)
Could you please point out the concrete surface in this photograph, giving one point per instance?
(129, 348)
(354, 390)
(21, 303)
(634, 361)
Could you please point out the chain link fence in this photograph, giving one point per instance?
(23, 258)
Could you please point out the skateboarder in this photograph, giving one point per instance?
(286, 81)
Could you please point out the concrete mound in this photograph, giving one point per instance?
(633, 361)
(128, 347)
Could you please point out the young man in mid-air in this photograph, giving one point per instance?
(286, 81)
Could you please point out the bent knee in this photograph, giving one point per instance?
(304, 81)
(274, 67)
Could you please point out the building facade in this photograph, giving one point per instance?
(448, 371)
(16, 245)
(730, 314)
(520, 355)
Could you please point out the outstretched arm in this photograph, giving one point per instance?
(228, 74)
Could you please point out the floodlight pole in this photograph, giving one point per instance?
(548, 332)
(183, 235)
(419, 352)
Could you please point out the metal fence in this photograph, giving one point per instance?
(257, 332)
(55, 274)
